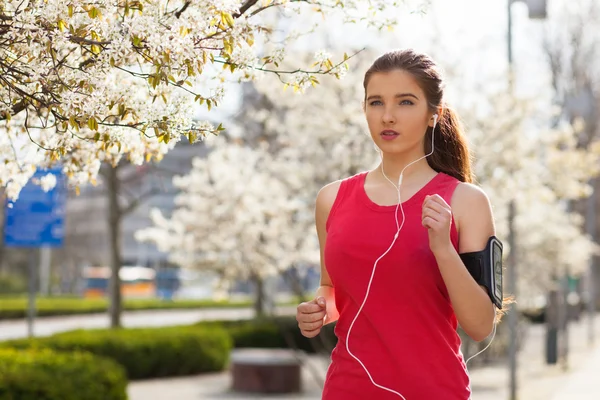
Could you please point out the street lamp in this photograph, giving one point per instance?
(537, 10)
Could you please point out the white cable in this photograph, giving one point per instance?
(485, 348)
(399, 228)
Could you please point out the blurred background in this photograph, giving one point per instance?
(215, 244)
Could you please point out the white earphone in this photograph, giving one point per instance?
(399, 228)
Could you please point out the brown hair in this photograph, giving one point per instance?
(451, 154)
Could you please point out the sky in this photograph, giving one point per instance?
(468, 39)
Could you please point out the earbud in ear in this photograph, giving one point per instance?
(435, 118)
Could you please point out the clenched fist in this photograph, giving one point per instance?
(311, 316)
(437, 218)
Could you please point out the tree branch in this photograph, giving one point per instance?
(245, 7)
(80, 40)
(185, 6)
(139, 200)
(17, 108)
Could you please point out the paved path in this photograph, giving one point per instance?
(536, 380)
(45, 326)
(584, 381)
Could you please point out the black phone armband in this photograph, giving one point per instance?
(486, 268)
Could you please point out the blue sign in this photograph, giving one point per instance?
(36, 218)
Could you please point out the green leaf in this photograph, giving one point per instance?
(93, 12)
(92, 124)
(227, 19)
(192, 136)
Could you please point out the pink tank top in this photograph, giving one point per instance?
(406, 334)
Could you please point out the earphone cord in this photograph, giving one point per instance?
(398, 229)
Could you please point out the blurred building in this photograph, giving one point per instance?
(87, 233)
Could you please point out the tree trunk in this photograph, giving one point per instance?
(114, 229)
(552, 326)
(259, 301)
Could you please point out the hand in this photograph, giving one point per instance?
(437, 218)
(311, 317)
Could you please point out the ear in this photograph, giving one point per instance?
(439, 112)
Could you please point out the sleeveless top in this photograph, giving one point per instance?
(406, 334)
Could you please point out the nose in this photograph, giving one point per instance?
(388, 117)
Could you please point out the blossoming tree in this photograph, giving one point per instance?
(246, 211)
(83, 82)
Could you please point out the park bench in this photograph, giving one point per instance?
(266, 370)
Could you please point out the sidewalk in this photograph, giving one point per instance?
(46, 326)
(536, 380)
(584, 382)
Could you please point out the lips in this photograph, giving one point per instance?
(389, 134)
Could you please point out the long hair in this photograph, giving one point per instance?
(451, 155)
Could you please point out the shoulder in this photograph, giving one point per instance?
(467, 195)
(472, 211)
(327, 195)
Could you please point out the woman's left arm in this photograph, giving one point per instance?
(473, 218)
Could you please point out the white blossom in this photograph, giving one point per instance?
(89, 82)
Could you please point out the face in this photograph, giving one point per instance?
(397, 112)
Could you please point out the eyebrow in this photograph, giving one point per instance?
(399, 95)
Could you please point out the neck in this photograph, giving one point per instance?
(393, 165)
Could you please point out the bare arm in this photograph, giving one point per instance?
(324, 202)
(472, 305)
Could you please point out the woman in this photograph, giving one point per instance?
(391, 274)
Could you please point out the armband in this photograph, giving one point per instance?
(486, 268)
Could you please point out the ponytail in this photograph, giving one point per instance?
(451, 154)
(452, 157)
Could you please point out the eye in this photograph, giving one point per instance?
(375, 103)
(406, 103)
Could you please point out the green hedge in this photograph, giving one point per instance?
(47, 375)
(16, 307)
(279, 332)
(149, 352)
(12, 285)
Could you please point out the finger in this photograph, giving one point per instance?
(434, 215)
(438, 199)
(436, 202)
(434, 206)
(309, 308)
(310, 334)
(428, 222)
(314, 317)
(311, 326)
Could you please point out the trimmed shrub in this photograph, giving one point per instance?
(148, 352)
(48, 375)
(277, 332)
(12, 284)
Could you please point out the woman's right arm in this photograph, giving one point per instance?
(312, 315)
(325, 199)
